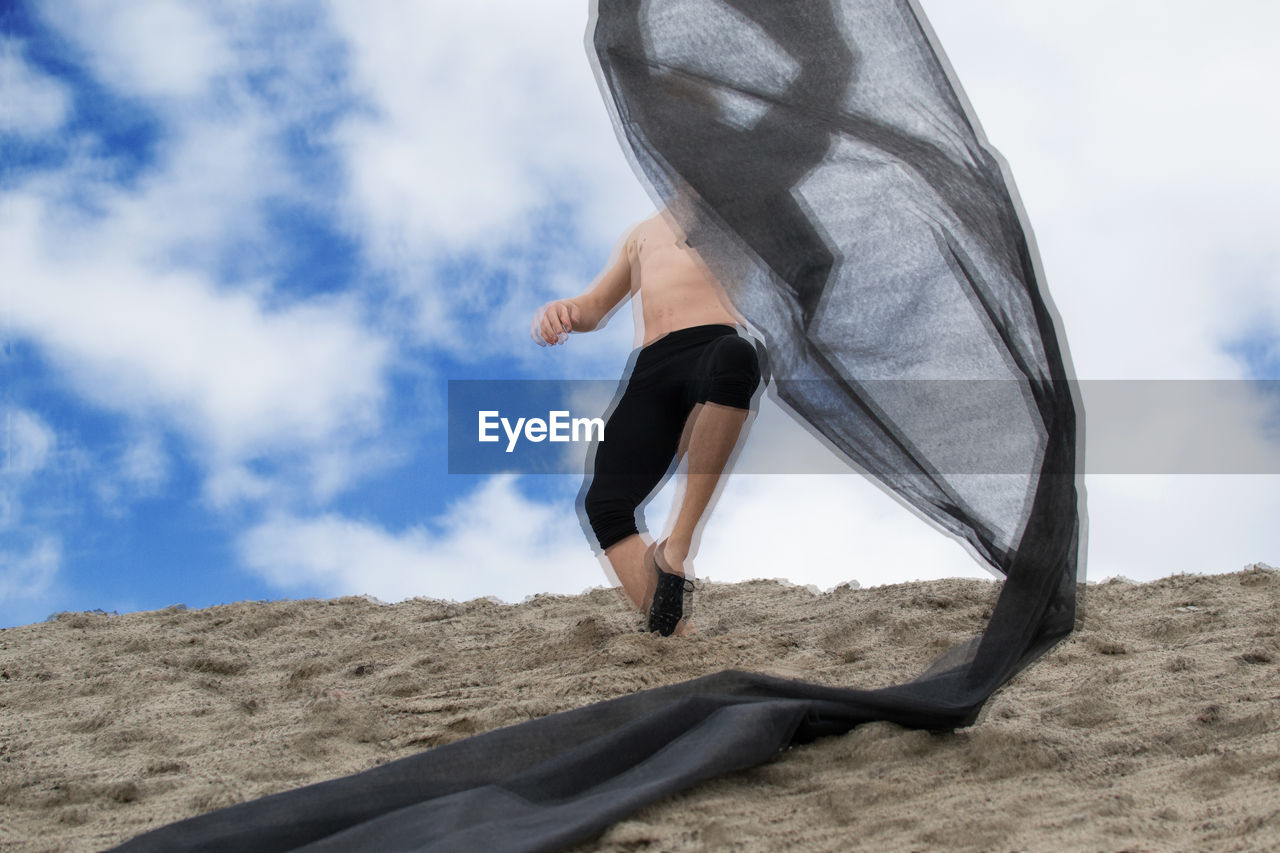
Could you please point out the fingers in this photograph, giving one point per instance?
(558, 321)
(553, 322)
(536, 330)
(564, 324)
(571, 313)
(552, 328)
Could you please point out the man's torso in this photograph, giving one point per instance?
(674, 288)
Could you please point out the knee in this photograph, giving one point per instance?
(611, 515)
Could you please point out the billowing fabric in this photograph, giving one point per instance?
(824, 164)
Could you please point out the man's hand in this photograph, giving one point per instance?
(554, 321)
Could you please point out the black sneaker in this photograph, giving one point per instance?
(668, 605)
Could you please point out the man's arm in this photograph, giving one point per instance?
(609, 289)
(588, 310)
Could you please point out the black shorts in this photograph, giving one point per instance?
(700, 364)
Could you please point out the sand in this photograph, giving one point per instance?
(1156, 727)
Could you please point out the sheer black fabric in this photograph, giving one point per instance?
(822, 161)
(826, 167)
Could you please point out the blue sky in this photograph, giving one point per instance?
(245, 246)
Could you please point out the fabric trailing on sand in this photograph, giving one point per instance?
(823, 162)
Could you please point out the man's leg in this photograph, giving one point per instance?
(713, 434)
(708, 439)
(627, 560)
(710, 435)
(643, 437)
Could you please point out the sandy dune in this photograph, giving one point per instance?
(1156, 727)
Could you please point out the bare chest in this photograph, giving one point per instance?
(660, 256)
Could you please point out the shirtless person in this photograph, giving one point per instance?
(689, 393)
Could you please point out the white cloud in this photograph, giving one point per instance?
(125, 286)
(140, 469)
(479, 113)
(152, 48)
(1148, 172)
(144, 464)
(1144, 528)
(200, 202)
(33, 104)
(481, 117)
(789, 512)
(1179, 428)
(27, 442)
(1146, 165)
(827, 528)
(819, 529)
(29, 574)
(495, 541)
(1140, 149)
(240, 377)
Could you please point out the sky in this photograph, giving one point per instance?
(244, 246)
